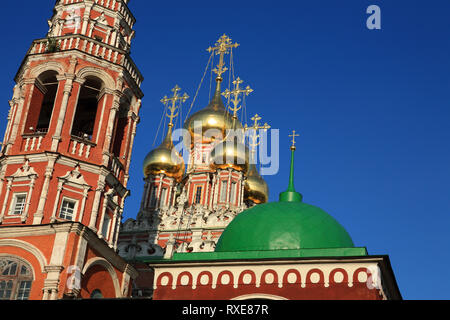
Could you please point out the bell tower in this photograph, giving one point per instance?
(73, 117)
(66, 152)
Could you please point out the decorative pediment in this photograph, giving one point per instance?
(74, 177)
(102, 19)
(25, 172)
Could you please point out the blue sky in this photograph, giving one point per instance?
(372, 107)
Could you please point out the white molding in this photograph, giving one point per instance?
(27, 247)
(109, 267)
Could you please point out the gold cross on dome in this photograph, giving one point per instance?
(235, 93)
(293, 136)
(176, 102)
(256, 126)
(222, 47)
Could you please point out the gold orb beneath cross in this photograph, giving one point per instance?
(255, 187)
(164, 160)
(230, 154)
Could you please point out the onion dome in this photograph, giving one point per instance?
(165, 159)
(255, 187)
(211, 123)
(230, 154)
(289, 224)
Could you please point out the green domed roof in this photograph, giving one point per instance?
(289, 224)
(281, 226)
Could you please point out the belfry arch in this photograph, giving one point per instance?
(89, 102)
(42, 103)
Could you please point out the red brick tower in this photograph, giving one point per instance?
(64, 163)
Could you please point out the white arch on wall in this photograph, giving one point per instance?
(23, 260)
(27, 247)
(98, 73)
(108, 266)
(259, 296)
(47, 66)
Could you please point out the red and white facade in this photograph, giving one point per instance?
(344, 278)
(65, 158)
(184, 216)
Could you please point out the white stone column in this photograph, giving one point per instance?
(38, 216)
(116, 234)
(5, 201)
(110, 129)
(144, 195)
(241, 193)
(136, 120)
(103, 213)
(29, 195)
(19, 109)
(13, 103)
(69, 78)
(206, 200)
(96, 204)
(86, 16)
(158, 195)
(83, 203)
(228, 188)
(55, 206)
(55, 267)
(112, 228)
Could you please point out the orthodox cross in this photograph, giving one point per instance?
(255, 136)
(176, 102)
(222, 47)
(293, 136)
(235, 93)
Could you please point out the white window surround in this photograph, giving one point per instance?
(106, 226)
(233, 193)
(75, 208)
(14, 203)
(163, 200)
(223, 190)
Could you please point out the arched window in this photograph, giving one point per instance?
(42, 103)
(96, 294)
(120, 127)
(15, 279)
(84, 122)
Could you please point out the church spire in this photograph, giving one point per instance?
(290, 195)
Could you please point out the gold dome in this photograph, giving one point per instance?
(211, 123)
(165, 159)
(230, 154)
(255, 188)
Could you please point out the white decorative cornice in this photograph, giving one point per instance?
(74, 177)
(25, 172)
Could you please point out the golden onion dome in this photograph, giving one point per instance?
(230, 154)
(165, 159)
(255, 188)
(211, 123)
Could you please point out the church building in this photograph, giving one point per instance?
(65, 158)
(208, 232)
(205, 229)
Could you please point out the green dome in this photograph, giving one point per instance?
(283, 225)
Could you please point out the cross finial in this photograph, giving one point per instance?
(293, 136)
(222, 47)
(255, 136)
(235, 93)
(176, 102)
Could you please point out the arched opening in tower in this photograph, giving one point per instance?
(42, 103)
(121, 127)
(84, 123)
